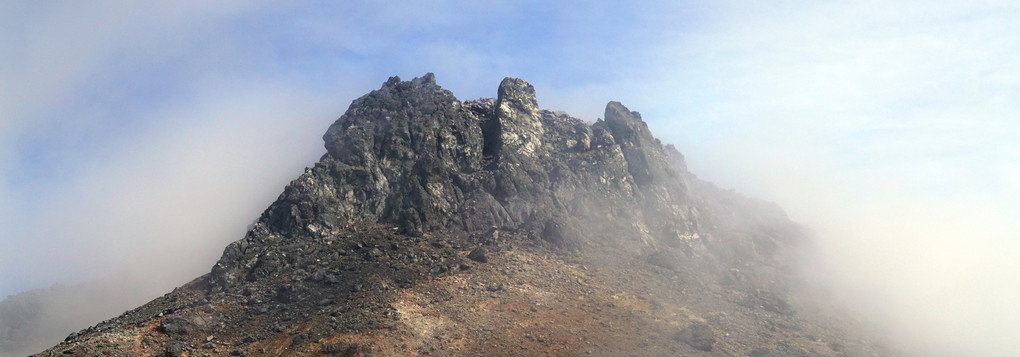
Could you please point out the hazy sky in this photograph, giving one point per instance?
(147, 136)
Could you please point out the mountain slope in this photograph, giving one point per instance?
(435, 226)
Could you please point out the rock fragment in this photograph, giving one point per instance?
(478, 255)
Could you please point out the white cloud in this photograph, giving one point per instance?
(886, 127)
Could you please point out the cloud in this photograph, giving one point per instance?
(83, 109)
(58, 48)
(885, 128)
(172, 196)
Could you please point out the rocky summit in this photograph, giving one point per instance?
(434, 226)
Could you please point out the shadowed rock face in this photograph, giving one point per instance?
(645, 160)
(429, 217)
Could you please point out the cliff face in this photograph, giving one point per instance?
(433, 225)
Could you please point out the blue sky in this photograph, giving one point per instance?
(138, 135)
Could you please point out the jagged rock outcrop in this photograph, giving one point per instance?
(518, 122)
(433, 225)
(412, 155)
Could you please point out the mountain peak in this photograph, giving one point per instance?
(431, 222)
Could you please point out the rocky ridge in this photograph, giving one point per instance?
(492, 226)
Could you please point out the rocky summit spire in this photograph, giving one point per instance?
(646, 160)
(516, 95)
(519, 124)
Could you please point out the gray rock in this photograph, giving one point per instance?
(698, 335)
(646, 161)
(375, 253)
(478, 255)
(175, 349)
(518, 122)
(176, 325)
(412, 155)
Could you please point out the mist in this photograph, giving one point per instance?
(145, 138)
(896, 149)
(933, 274)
